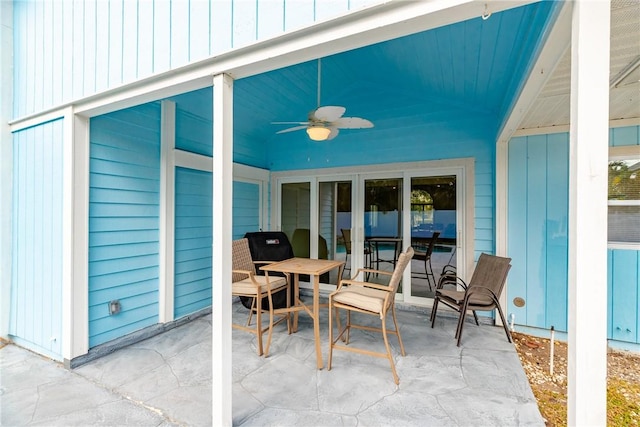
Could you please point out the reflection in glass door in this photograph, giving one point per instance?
(383, 222)
(433, 230)
(334, 220)
(295, 218)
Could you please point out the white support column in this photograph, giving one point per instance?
(222, 235)
(6, 161)
(75, 269)
(167, 210)
(588, 149)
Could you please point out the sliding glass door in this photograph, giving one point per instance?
(434, 225)
(368, 219)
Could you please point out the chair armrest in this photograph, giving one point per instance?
(450, 279)
(478, 289)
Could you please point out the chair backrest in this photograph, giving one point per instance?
(403, 261)
(241, 259)
(346, 236)
(491, 272)
(432, 243)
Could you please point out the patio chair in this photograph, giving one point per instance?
(346, 236)
(426, 256)
(246, 283)
(367, 298)
(482, 293)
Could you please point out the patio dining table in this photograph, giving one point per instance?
(313, 268)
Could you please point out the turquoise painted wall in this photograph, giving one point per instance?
(538, 239)
(417, 132)
(36, 280)
(193, 239)
(123, 221)
(246, 208)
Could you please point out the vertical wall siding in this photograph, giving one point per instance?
(538, 226)
(624, 295)
(246, 208)
(104, 44)
(123, 221)
(193, 238)
(538, 240)
(36, 285)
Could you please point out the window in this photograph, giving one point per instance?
(624, 195)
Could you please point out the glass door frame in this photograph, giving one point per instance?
(462, 168)
(465, 222)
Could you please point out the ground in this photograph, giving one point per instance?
(623, 383)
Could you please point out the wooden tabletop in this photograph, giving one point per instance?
(303, 266)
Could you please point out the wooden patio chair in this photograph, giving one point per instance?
(246, 283)
(367, 298)
(482, 293)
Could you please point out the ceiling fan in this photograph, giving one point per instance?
(324, 123)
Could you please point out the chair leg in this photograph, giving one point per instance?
(266, 349)
(463, 313)
(433, 310)
(251, 310)
(389, 355)
(331, 332)
(259, 325)
(395, 324)
(504, 323)
(475, 316)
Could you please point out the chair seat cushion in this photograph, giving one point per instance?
(457, 297)
(363, 298)
(247, 287)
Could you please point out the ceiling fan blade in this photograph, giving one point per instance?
(328, 113)
(352, 123)
(290, 123)
(334, 133)
(292, 129)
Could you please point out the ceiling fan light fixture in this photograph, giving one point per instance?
(318, 133)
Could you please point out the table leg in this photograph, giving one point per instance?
(296, 291)
(316, 318)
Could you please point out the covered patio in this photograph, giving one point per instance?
(167, 380)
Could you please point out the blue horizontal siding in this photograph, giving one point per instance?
(193, 240)
(124, 186)
(36, 279)
(624, 295)
(246, 208)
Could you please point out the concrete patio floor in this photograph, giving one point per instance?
(166, 380)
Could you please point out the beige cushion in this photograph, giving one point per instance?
(247, 287)
(364, 298)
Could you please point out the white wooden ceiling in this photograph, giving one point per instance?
(551, 108)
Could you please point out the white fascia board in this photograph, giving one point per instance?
(617, 123)
(353, 30)
(552, 52)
